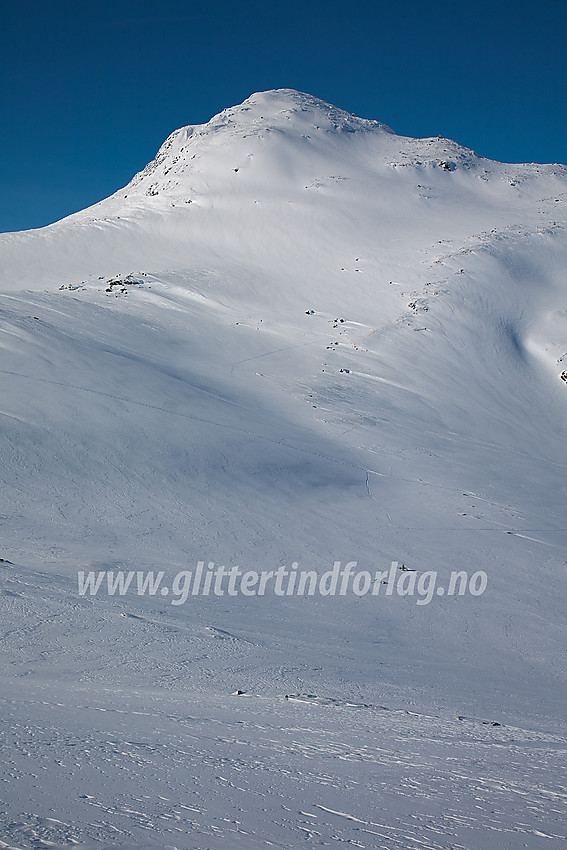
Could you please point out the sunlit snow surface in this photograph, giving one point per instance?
(176, 385)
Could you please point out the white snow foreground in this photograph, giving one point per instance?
(294, 337)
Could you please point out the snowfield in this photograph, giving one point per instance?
(294, 338)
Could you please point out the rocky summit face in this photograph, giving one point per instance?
(295, 339)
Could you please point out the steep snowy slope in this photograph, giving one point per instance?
(294, 337)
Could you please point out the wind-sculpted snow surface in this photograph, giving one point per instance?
(294, 339)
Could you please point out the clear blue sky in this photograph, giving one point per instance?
(89, 90)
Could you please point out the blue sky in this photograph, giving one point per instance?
(89, 90)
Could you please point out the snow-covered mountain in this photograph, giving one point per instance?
(293, 337)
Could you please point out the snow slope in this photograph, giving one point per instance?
(295, 336)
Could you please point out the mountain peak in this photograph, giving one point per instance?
(278, 118)
(280, 143)
(281, 105)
